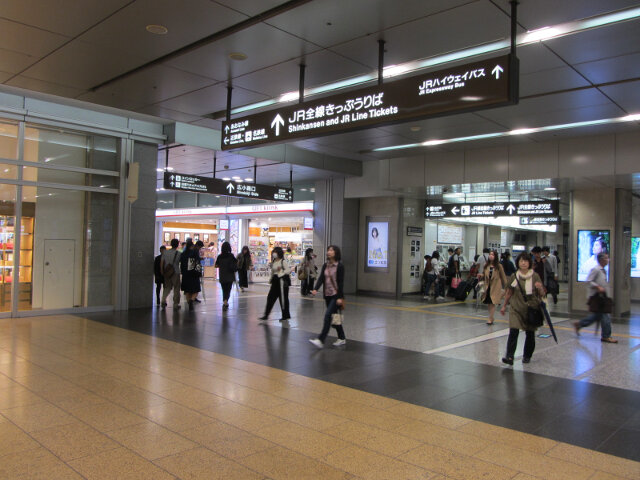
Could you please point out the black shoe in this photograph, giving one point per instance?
(284, 319)
(190, 306)
(526, 359)
(263, 318)
(507, 360)
(197, 301)
(164, 305)
(225, 307)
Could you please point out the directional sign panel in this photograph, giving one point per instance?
(508, 209)
(478, 85)
(194, 183)
(553, 220)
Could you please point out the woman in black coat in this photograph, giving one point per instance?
(227, 266)
(332, 278)
(191, 270)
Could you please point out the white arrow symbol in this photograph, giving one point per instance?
(230, 187)
(511, 209)
(455, 210)
(497, 70)
(226, 129)
(276, 123)
(226, 140)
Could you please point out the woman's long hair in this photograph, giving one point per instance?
(279, 252)
(338, 254)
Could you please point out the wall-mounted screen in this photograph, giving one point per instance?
(635, 257)
(377, 259)
(451, 234)
(590, 244)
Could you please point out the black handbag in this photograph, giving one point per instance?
(600, 303)
(535, 317)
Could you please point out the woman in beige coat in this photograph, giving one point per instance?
(496, 281)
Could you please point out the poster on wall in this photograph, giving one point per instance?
(377, 245)
(451, 234)
(590, 244)
(635, 257)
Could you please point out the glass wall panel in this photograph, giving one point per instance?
(59, 147)
(68, 259)
(8, 140)
(7, 243)
(33, 174)
(8, 171)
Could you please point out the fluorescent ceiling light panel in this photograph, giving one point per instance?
(538, 35)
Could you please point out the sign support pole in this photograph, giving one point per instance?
(215, 162)
(255, 171)
(166, 159)
(229, 89)
(514, 67)
(301, 85)
(514, 25)
(380, 61)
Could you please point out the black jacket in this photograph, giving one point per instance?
(227, 267)
(340, 279)
(156, 269)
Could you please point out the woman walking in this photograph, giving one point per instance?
(191, 270)
(280, 282)
(307, 272)
(244, 264)
(524, 290)
(332, 278)
(227, 265)
(496, 281)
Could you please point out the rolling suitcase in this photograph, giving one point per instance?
(464, 289)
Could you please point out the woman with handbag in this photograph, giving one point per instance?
(244, 264)
(332, 277)
(495, 280)
(280, 282)
(524, 293)
(226, 264)
(191, 270)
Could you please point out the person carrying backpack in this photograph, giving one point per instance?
(227, 266)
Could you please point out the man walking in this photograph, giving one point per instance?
(171, 273)
(598, 285)
(552, 277)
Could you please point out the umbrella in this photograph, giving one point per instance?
(543, 305)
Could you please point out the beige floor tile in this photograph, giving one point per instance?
(227, 440)
(365, 463)
(496, 434)
(98, 383)
(249, 379)
(151, 441)
(456, 465)
(304, 396)
(106, 417)
(428, 415)
(74, 402)
(174, 417)
(120, 464)
(306, 416)
(368, 415)
(133, 398)
(192, 398)
(204, 464)
(524, 476)
(280, 463)
(37, 416)
(74, 440)
(57, 472)
(369, 399)
(443, 437)
(14, 440)
(16, 395)
(28, 464)
(303, 440)
(20, 368)
(606, 476)
(240, 416)
(534, 464)
(596, 460)
(373, 438)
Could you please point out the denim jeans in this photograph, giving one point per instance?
(428, 281)
(603, 318)
(332, 307)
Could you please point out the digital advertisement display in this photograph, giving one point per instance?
(377, 244)
(451, 234)
(590, 244)
(635, 257)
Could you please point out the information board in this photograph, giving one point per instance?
(194, 183)
(546, 208)
(474, 86)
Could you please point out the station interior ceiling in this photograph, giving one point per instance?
(103, 52)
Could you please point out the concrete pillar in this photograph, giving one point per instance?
(603, 209)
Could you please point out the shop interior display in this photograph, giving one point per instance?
(7, 250)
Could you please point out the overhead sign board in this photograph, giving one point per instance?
(500, 209)
(474, 86)
(553, 220)
(195, 183)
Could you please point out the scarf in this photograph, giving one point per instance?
(528, 281)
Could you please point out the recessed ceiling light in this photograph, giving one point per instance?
(157, 29)
(248, 179)
(303, 189)
(238, 56)
(226, 179)
(550, 188)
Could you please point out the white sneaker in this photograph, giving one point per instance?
(339, 342)
(316, 342)
(441, 298)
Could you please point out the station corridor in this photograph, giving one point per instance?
(418, 392)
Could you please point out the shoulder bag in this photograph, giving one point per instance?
(534, 317)
(169, 269)
(600, 303)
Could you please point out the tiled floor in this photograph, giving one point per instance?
(201, 395)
